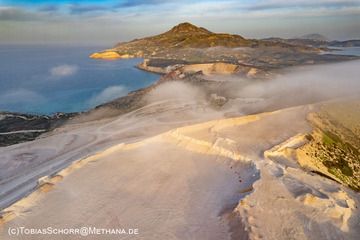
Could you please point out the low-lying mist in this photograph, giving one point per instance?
(235, 95)
(295, 86)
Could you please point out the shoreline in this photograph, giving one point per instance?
(178, 69)
(162, 71)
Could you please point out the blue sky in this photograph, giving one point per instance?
(110, 21)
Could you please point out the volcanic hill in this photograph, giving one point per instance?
(182, 36)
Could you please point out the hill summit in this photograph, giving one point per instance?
(182, 36)
(184, 28)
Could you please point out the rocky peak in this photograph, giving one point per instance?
(188, 28)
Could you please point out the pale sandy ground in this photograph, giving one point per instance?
(176, 169)
(23, 164)
(184, 184)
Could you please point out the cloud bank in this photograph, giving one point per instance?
(297, 86)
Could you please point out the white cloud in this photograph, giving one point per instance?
(108, 94)
(21, 95)
(63, 70)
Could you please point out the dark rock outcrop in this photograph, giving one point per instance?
(19, 127)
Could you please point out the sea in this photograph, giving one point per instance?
(49, 79)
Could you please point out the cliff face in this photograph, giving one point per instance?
(212, 68)
(205, 68)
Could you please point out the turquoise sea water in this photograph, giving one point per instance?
(49, 79)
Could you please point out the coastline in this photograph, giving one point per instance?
(167, 69)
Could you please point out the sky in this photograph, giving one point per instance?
(95, 22)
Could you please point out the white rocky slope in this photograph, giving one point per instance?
(203, 181)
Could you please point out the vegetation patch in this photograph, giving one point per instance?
(333, 148)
